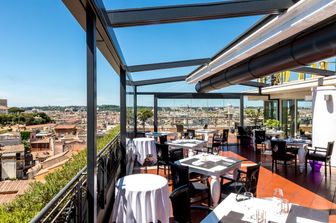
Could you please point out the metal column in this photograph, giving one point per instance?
(123, 123)
(155, 114)
(135, 105)
(91, 114)
(241, 110)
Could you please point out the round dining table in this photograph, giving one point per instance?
(145, 147)
(142, 198)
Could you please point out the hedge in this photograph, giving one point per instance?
(24, 207)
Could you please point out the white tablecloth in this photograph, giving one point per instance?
(142, 198)
(144, 147)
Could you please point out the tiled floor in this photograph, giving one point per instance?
(311, 190)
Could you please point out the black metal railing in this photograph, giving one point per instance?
(70, 204)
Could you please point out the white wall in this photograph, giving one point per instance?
(324, 118)
(8, 169)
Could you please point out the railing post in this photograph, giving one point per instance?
(123, 130)
(135, 100)
(241, 110)
(91, 114)
(155, 113)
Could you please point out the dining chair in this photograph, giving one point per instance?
(246, 181)
(280, 153)
(175, 154)
(198, 190)
(259, 139)
(163, 139)
(321, 154)
(190, 132)
(215, 144)
(182, 208)
(243, 138)
(223, 139)
(162, 152)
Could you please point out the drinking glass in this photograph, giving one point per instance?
(260, 216)
(285, 206)
(277, 200)
(190, 135)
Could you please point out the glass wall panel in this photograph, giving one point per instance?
(271, 110)
(253, 112)
(129, 108)
(304, 117)
(196, 113)
(288, 117)
(145, 113)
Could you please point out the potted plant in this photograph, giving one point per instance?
(272, 123)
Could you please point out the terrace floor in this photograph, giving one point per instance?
(312, 190)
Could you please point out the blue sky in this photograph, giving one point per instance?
(43, 60)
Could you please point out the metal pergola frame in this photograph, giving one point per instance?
(187, 95)
(98, 24)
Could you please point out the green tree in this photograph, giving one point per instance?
(15, 110)
(143, 115)
(254, 114)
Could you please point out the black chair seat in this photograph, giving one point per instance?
(198, 191)
(316, 156)
(180, 199)
(198, 187)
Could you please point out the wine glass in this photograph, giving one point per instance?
(277, 199)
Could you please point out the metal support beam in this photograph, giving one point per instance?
(168, 65)
(123, 123)
(91, 114)
(135, 105)
(310, 70)
(159, 80)
(195, 12)
(188, 95)
(242, 110)
(155, 114)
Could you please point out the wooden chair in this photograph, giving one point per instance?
(223, 139)
(162, 158)
(321, 154)
(280, 153)
(198, 191)
(180, 199)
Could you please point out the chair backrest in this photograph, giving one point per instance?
(175, 154)
(179, 128)
(330, 148)
(260, 136)
(278, 147)
(162, 152)
(191, 132)
(241, 131)
(180, 200)
(252, 177)
(163, 139)
(225, 135)
(180, 175)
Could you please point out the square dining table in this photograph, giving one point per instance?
(213, 166)
(232, 209)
